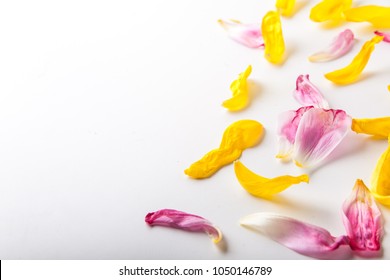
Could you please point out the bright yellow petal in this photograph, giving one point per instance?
(378, 16)
(285, 7)
(240, 92)
(380, 181)
(329, 10)
(264, 187)
(350, 73)
(379, 127)
(388, 87)
(271, 29)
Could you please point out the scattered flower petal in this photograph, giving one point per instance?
(378, 16)
(329, 10)
(378, 127)
(380, 181)
(285, 7)
(340, 46)
(240, 92)
(386, 36)
(246, 34)
(350, 73)
(236, 138)
(273, 37)
(181, 220)
(264, 187)
(362, 219)
(308, 94)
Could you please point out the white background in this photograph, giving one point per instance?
(103, 104)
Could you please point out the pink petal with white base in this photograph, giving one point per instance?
(386, 36)
(246, 34)
(307, 94)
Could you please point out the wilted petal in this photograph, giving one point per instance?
(386, 36)
(285, 7)
(240, 92)
(351, 73)
(181, 220)
(271, 28)
(380, 181)
(378, 16)
(329, 10)
(318, 134)
(341, 45)
(301, 237)
(246, 34)
(378, 127)
(308, 94)
(265, 187)
(362, 219)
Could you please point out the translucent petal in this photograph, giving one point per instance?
(362, 219)
(264, 187)
(181, 220)
(285, 7)
(237, 137)
(378, 16)
(308, 94)
(273, 37)
(340, 45)
(301, 237)
(329, 10)
(246, 34)
(351, 73)
(380, 181)
(386, 36)
(378, 127)
(240, 92)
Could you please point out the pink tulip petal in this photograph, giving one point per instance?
(301, 237)
(246, 34)
(362, 219)
(340, 46)
(386, 36)
(181, 220)
(318, 134)
(307, 94)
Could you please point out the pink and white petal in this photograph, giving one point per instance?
(340, 45)
(318, 134)
(307, 94)
(362, 219)
(386, 35)
(304, 238)
(246, 34)
(185, 221)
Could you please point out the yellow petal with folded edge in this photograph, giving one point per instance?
(329, 10)
(378, 127)
(285, 7)
(350, 73)
(265, 187)
(271, 28)
(380, 181)
(240, 92)
(378, 16)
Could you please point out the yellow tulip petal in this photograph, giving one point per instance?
(378, 16)
(380, 181)
(285, 7)
(379, 127)
(388, 87)
(237, 137)
(350, 73)
(240, 92)
(329, 10)
(264, 187)
(271, 29)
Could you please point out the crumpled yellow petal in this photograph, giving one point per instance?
(380, 181)
(378, 16)
(240, 92)
(265, 187)
(237, 137)
(285, 7)
(378, 127)
(271, 28)
(350, 73)
(329, 10)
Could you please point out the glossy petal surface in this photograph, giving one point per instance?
(181, 220)
(273, 37)
(378, 127)
(329, 10)
(246, 34)
(378, 16)
(240, 92)
(386, 36)
(307, 94)
(285, 7)
(380, 181)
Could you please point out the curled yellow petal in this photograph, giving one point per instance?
(350, 73)
(378, 16)
(380, 181)
(329, 10)
(285, 7)
(240, 92)
(237, 137)
(378, 127)
(264, 187)
(271, 29)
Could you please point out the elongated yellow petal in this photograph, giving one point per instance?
(271, 29)
(236, 138)
(329, 10)
(350, 73)
(264, 187)
(378, 16)
(240, 92)
(388, 87)
(379, 127)
(380, 181)
(285, 7)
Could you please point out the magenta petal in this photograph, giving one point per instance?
(362, 219)
(181, 220)
(246, 34)
(318, 134)
(301, 237)
(308, 94)
(340, 46)
(386, 36)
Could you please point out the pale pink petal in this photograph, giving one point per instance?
(340, 46)
(362, 219)
(386, 36)
(247, 34)
(307, 94)
(318, 134)
(301, 237)
(181, 220)
(287, 128)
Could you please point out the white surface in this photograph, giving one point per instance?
(103, 104)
